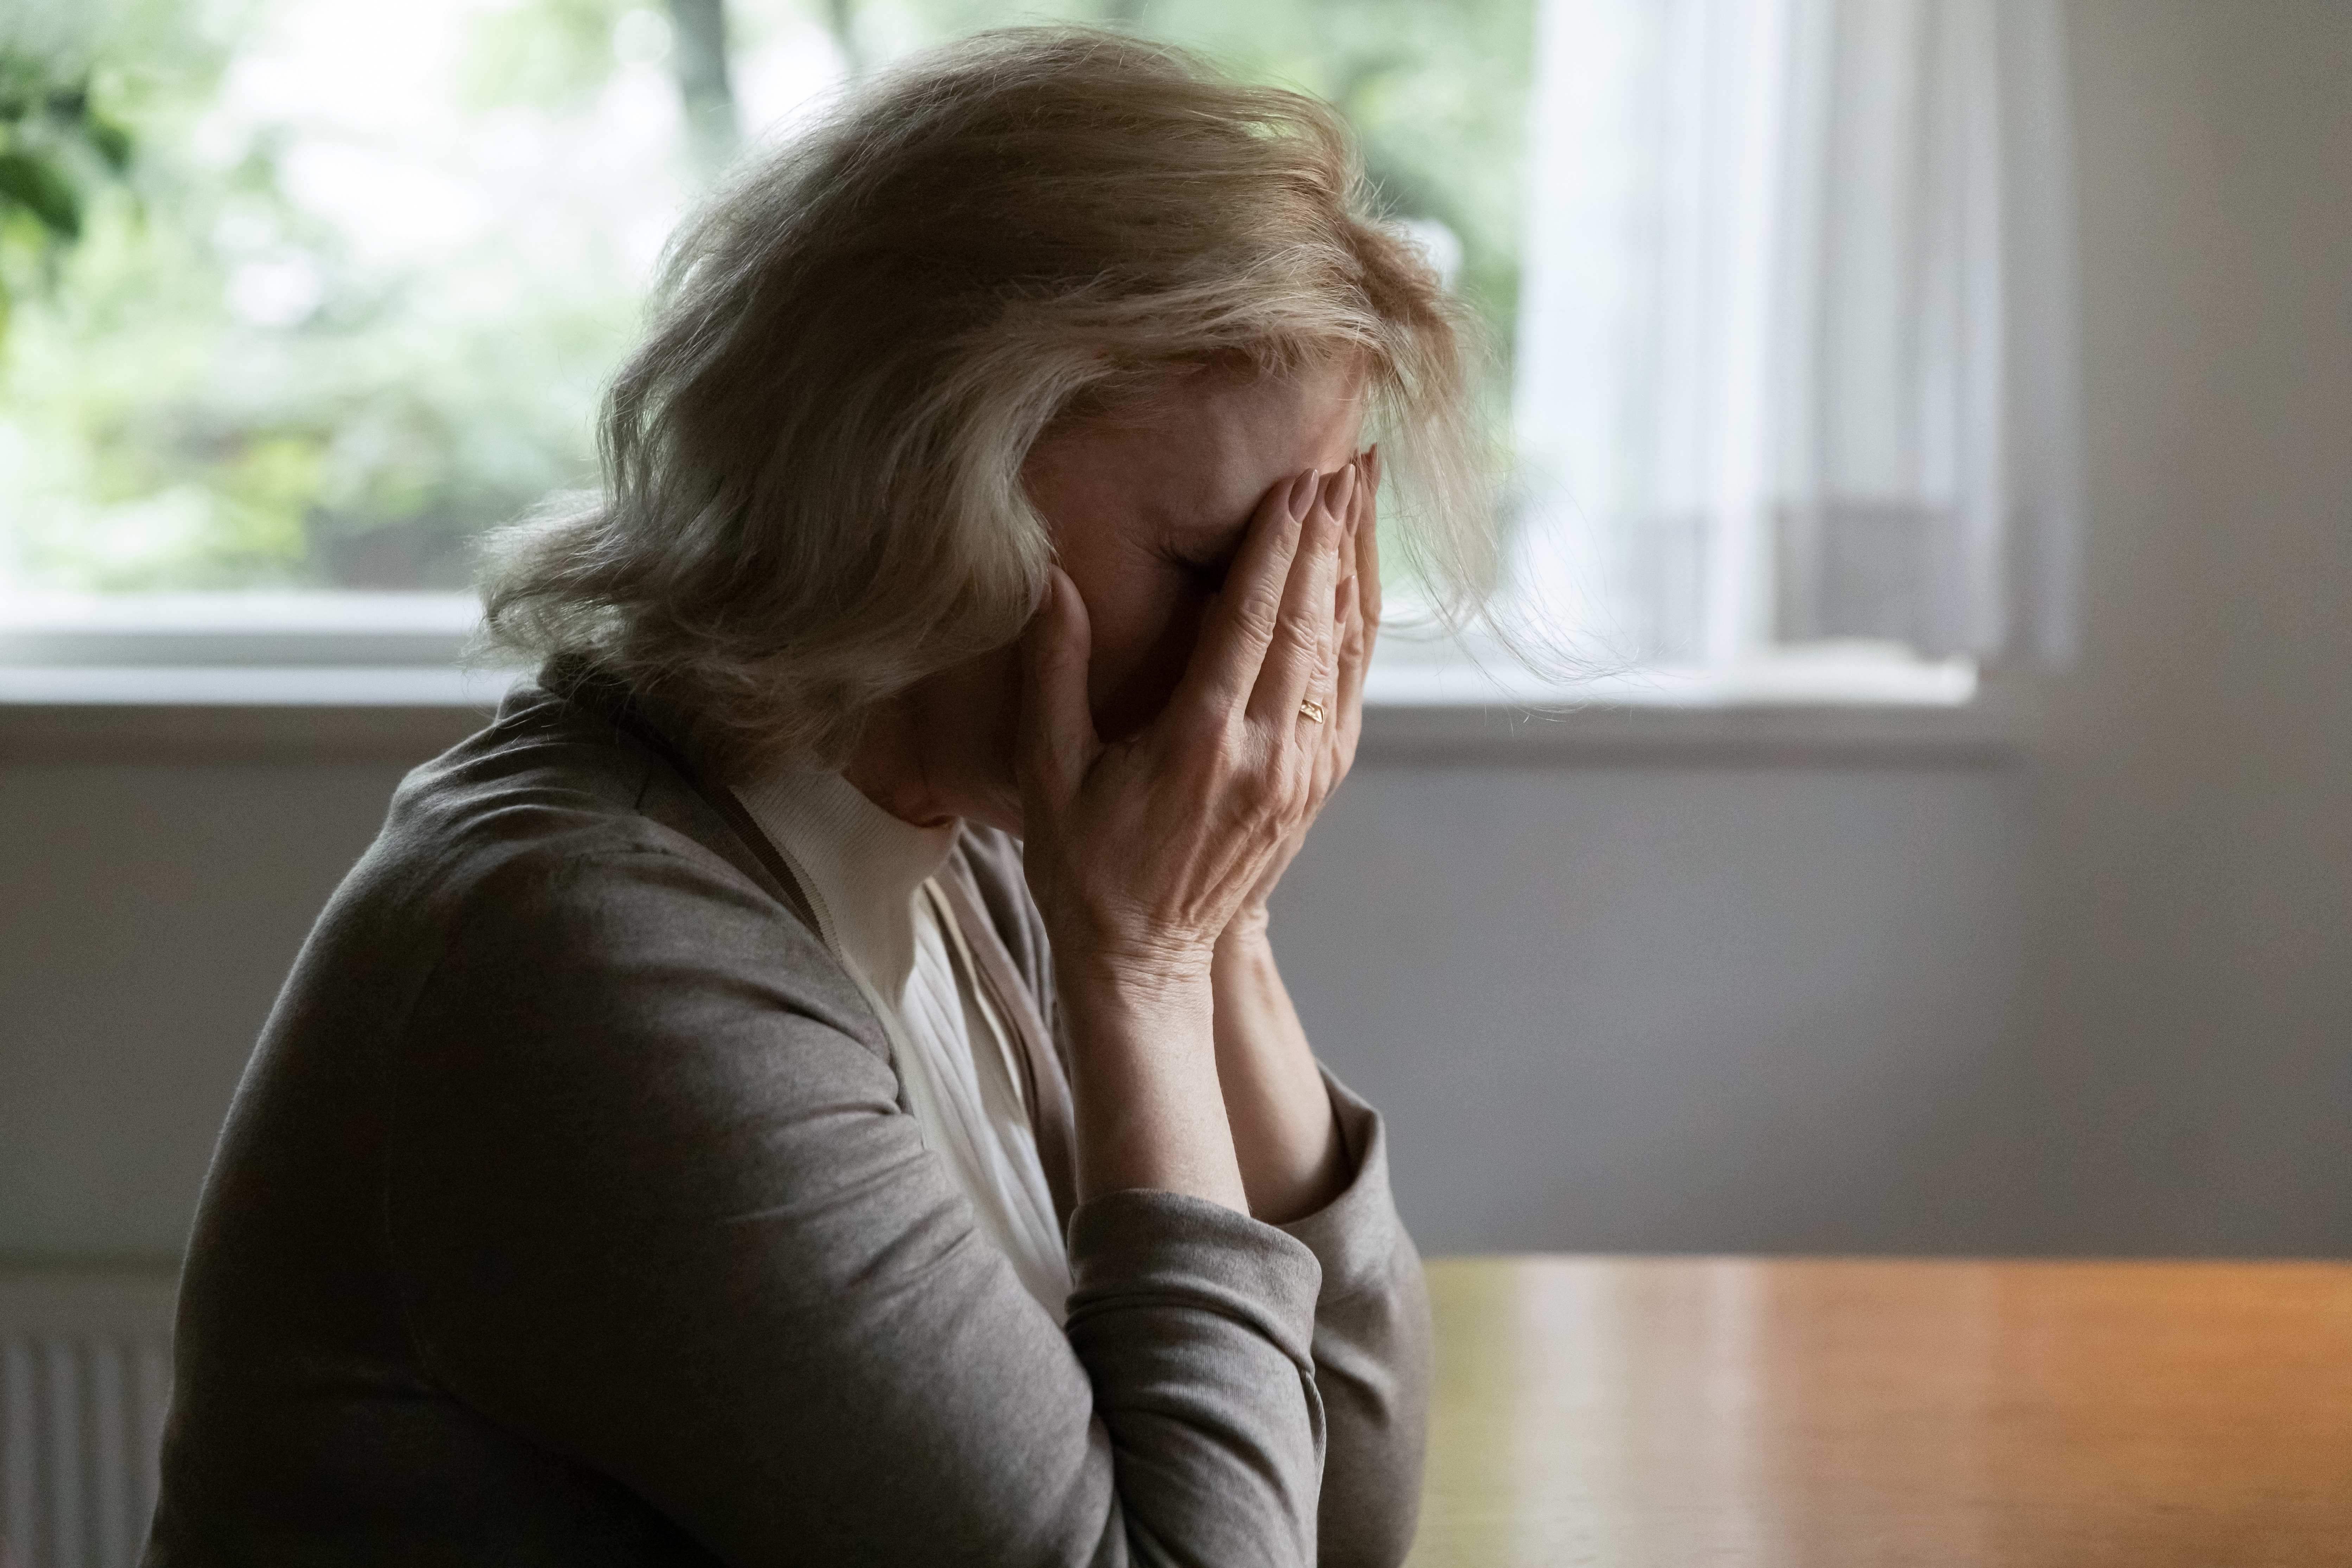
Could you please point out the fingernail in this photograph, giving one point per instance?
(1343, 489)
(1302, 494)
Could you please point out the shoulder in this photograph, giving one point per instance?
(616, 1012)
(546, 780)
(553, 862)
(547, 791)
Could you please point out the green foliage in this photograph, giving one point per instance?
(55, 145)
(224, 390)
(41, 188)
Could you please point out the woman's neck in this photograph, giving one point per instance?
(888, 766)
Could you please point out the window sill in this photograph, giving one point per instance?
(133, 713)
(1425, 716)
(231, 677)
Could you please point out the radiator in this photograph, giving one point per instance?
(85, 1367)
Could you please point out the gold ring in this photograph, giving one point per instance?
(1311, 710)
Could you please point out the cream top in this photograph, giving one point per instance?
(870, 879)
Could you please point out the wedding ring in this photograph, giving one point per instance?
(1311, 710)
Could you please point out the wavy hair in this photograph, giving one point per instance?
(813, 462)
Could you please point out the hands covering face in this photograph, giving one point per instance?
(1145, 853)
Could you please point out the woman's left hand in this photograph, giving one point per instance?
(1339, 688)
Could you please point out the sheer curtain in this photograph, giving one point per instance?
(1795, 360)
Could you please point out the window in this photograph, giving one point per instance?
(343, 277)
(1793, 383)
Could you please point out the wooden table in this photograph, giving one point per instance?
(1706, 1412)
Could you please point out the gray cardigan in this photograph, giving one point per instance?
(569, 1214)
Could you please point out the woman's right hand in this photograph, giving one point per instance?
(1139, 852)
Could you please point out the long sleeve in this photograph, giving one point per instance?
(1373, 1348)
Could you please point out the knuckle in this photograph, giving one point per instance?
(1226, 777)
(1298, 635)
(1258, 618)
(1260, 790)
(1293, 783)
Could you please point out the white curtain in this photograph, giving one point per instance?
(1795, 357)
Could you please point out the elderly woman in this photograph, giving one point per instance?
(810, 1083)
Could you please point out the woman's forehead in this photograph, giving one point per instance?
(1254, 434)
(1197, 460)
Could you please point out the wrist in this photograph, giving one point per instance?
(1247, 933)
(1132, 978)
(1143, 1079)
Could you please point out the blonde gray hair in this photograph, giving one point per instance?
(813, 462)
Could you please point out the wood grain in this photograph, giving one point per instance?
(1816, 1413)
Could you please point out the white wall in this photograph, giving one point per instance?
(148, 912)
(2194, 1038)
(2100, 1002)
(1696, 1007)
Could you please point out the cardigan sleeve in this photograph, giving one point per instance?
(652, 1206)
(1372, 1350)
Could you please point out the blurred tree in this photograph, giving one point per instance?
(55, 144)
(250, 375)
(702, 82)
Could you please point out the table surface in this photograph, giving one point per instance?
(1687, 1413)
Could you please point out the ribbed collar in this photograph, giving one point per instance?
(863, 866)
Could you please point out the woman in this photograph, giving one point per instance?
(697, 1131)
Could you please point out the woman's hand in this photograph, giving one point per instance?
(1142, 853)
(1340, 689)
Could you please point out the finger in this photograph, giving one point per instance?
(1355, 510)
(1058, 729)
(1368, 550)
(1248, 609)
(1355, 643)
(1342, 697)
(1323, 687)
(1355, 656)
(1293, 654)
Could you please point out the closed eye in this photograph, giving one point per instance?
(1210, 574)
(1206, 562)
